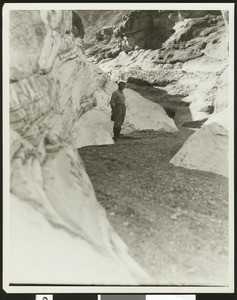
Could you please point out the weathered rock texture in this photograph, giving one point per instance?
(60, 101)
(95, 128)
(207, 148)
(99, 28)
(191, 65)
(58, 231)
(142, 29)
(180, 62)
(149, 29)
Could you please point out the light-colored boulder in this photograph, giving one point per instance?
(95, 127)
(222, 118)
(143, 114)
(207, 148)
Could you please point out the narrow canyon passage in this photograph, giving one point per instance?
(174, 220)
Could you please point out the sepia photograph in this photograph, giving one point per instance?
(118, 148)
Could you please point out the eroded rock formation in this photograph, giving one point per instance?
(95, 127)
(141, 29)
(53, 204)
(207, 148)
(191, 65)
(181, 62)
(59, 101)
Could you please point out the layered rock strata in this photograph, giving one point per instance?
(58, 231)
(191, 66)
(137, 29)
(187, 74)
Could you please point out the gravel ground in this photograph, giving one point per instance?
(174, 220)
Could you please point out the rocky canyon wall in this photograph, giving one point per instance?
(191, 64)
(59, 101)
(59, 233)
(178, 59)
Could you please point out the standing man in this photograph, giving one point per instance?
(118, 107)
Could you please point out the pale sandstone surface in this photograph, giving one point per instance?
(49, 254)
(208, 148)
(22, 65)
(53, 200)
(152, 117)
(222, 118)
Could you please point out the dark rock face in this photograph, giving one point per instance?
(77, 26)
(138, 81)
(105, 33)
(149, 29)
(146, 30)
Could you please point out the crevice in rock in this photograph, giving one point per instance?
(170, 112)
(77, 25)
(195, 124)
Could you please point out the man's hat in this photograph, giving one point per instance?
(121, 81)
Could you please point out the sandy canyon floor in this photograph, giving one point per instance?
(174, 220)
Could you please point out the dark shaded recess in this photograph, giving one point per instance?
(157, 95)
(138, 81)
(13, 80)
(157, 26)
(170, 112)
(194, 124)
(77, 26)
(157, 36)
(154, 34)
(209, 109)
(203, 46)
(99, 36)
(104, 33)
(141, 82)
(170, 103)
